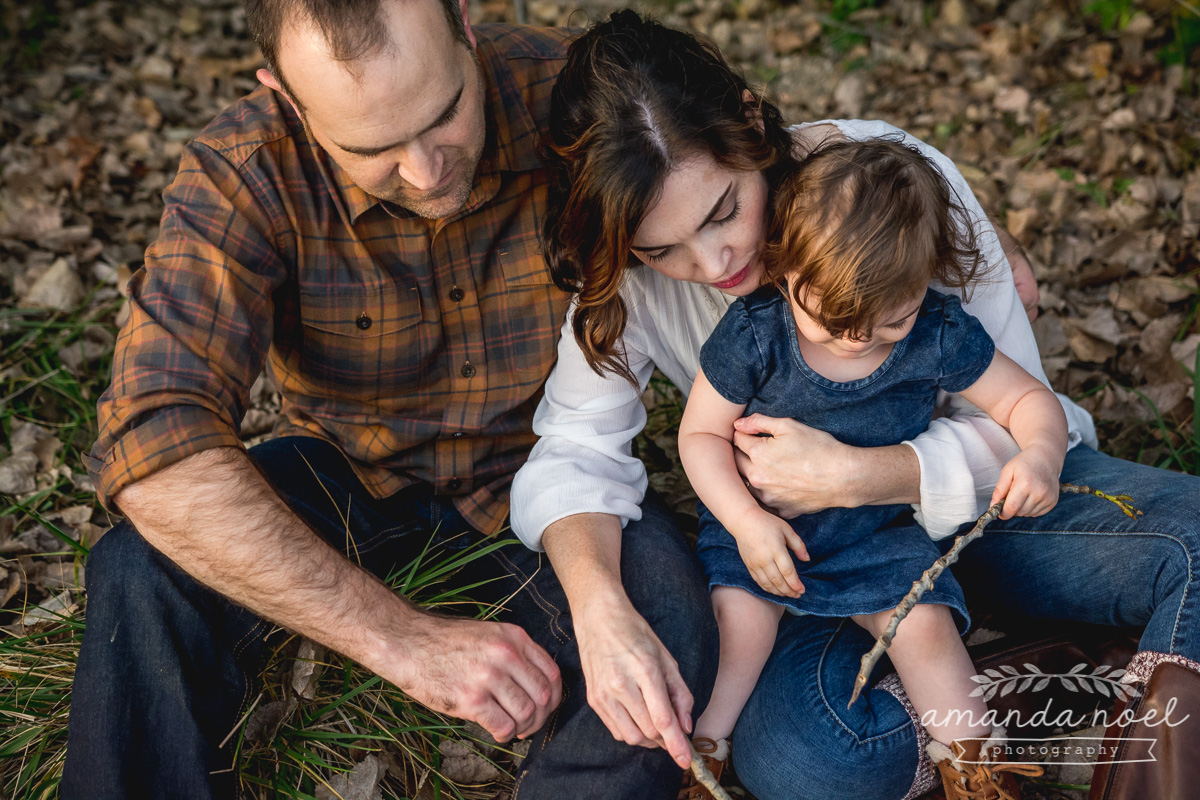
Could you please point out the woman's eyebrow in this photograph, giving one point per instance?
(712, 213)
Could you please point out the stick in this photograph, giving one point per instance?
(1122, 501)
(706, 779)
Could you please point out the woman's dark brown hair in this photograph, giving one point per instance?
(635, 100)
(861, 226)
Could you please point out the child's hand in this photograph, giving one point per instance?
(1028, 485)
(764, 542)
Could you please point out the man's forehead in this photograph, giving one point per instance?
(411, 51)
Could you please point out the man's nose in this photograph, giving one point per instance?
(421, 166)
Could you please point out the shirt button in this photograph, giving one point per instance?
(457, 294)
(459, 434)
(453, 484)
(468, 371)
(363, 321)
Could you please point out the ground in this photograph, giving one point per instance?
(1076, 124)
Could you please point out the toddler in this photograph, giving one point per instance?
(845, 336)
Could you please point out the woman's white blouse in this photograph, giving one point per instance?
(583, 461)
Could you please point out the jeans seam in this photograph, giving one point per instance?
(825, 698)
(551, 610)
(1169, 536)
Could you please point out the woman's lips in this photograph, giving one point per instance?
(735, 280)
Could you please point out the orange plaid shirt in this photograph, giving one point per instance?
(419, 347)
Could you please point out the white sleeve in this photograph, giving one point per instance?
(961, 455)
(583, 461)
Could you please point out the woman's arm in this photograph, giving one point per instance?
(572, 497)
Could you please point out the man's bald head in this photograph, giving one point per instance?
(353, 29)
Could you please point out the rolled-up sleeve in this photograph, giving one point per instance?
(198, 330)
(961, 455)
(583, 461)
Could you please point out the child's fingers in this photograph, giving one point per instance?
(788, 571)
(1002, 487)
(796, 544)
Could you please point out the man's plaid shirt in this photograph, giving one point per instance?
(419, 347)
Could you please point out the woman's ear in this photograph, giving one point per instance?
(753, 105)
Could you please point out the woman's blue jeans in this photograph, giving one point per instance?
(168, 667)
(1084, 561)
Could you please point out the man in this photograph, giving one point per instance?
(365, 225)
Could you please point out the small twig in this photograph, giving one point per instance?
(920, 587)
(706, 779)
(1122, 501)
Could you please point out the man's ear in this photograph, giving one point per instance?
(752, 104)
(270, 81)
(462, 5)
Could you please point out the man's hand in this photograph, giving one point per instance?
(1028, 485)
(218, 519)
(633, 683)
(489, 672)
(766, 543)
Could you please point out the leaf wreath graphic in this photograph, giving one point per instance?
(1008, 679)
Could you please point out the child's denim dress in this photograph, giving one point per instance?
(861, 562)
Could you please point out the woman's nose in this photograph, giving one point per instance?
(713, 262)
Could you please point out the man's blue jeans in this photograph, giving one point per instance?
(1084, 561)
(168, 666)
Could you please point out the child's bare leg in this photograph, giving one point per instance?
(747, 625)
(936, 671)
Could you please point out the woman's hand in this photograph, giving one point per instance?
(792, 471)
(766, 543)
(633, 683)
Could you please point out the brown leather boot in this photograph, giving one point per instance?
(1161, 725)
(977, 769)
(715, 755)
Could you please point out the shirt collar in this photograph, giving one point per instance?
(510, 143)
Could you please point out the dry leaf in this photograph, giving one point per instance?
(463, 764)
(307, 669)
(361, 783)
(59, 289)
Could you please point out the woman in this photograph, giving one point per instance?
(664, 161)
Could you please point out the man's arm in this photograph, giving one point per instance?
(633, 683)
(217, 518)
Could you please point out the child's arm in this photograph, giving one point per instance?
(1020, 402)
(706, 450)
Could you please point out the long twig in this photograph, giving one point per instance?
(706, 779)
(920, 587)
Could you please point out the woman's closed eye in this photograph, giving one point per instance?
(730, 217)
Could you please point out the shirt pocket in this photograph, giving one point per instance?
(363, 342)
(529, 311)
